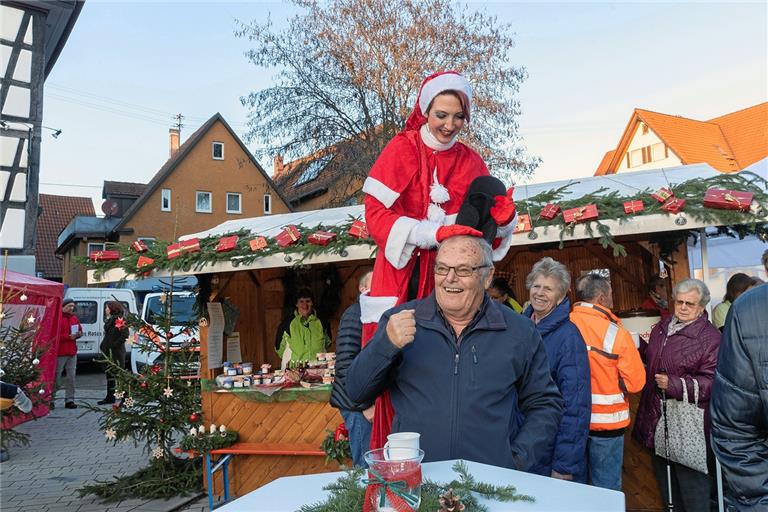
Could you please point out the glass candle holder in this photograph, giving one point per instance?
(394, 480)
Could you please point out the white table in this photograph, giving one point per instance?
(287, 494)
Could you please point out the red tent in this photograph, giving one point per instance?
(43, 300)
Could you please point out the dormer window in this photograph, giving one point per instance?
(217, 151)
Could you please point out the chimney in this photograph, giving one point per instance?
(173, 138)
(278, 165)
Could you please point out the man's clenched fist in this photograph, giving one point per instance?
(401, 327)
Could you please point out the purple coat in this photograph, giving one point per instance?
(691, 353)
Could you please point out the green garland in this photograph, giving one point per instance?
(609, 203)
(347, 494)
(207, 441)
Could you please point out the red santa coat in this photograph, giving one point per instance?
(397, 198)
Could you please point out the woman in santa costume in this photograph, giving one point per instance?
(413, 195)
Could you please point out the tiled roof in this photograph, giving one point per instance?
(56, 213)
(122, 188)
(727, 143)
(289, 180)
(180, 155)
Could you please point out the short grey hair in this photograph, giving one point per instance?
(548, 267)
(365, 280)
(485, 251)
(687, 285)
(591, 285)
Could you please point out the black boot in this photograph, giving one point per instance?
(107, 400)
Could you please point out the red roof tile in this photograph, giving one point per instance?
(56, 213)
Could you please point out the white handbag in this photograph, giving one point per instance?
(687, 444)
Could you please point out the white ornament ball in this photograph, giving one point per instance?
(35, 361)
(41, 392)
(23, 297)
(222, 429)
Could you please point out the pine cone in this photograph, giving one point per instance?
(450, 502)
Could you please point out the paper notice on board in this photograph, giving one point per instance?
(215, 334)
(233, 348)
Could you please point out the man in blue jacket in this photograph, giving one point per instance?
(460, 368)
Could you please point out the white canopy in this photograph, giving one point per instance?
(626, 183)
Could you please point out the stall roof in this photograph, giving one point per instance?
(625, 183)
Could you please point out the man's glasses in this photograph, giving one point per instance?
(681, 303)
(460, 271)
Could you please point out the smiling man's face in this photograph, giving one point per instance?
(460, 296)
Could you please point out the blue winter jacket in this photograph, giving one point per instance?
(464, 395)
(569, 366)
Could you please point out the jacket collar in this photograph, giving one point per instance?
(692, 330)
(596, 309)
(489, 317)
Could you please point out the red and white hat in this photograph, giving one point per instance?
(431, 87)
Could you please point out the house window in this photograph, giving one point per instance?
(635, 157)
(658, 151)
(218, 151)
(267, 204)
(312, 170)
(165, 200)
(234, 203)
(644, 128)
(203, 202)
(95, 248)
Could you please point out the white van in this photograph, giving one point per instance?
(89, 309)
(183, 313)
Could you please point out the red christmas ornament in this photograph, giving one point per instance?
(115, 407)
(144, 385)
(341, 433)
(194, 417)
(155, 369)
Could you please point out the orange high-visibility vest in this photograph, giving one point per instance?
(614, 363)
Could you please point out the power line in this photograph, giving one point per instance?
(71, 185)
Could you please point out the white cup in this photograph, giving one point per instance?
(401, 445)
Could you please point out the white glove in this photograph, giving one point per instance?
(424, 234)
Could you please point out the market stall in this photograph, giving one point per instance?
(618, 225)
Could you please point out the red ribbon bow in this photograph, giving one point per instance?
(503, 210)
(341, 433)
(119, 323)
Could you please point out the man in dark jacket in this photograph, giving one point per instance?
(357, 416)
(460, 368)
(739, 405)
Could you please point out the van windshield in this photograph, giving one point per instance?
(182, 314)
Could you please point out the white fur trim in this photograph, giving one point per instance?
(437, 192)
(397, 250)
(380, 191)
(435, 213)
(450, 219)
(371, 308)
(505, 233)
(446, 82)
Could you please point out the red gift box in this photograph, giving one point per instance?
(258, 243)
(227, 243)
(358, 229)
(187, 246)
(728, 199)
(550, 211)
(144, 261)
(289, 235)
(580, 214)
(633, 206)
(523, 224)
(662, 194)
(104, 256)
(673, 205)
(321, 237)
(139, 246)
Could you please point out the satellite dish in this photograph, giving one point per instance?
(110, 208)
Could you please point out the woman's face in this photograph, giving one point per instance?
(545, 295)
(107, 312)
(687, 306)
(445, 117)
(497, 295)
(304, 306)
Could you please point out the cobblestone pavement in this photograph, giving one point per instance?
(68, 450)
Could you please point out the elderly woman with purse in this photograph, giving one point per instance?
(673, 418)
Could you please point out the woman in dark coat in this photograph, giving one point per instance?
(548, 283)
(682, 346)
(113, 344)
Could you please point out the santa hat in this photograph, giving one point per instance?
(432, 86)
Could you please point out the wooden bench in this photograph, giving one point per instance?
(287, 449)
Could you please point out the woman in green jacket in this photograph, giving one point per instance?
(301, 335)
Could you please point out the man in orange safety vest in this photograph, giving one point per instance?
(616, 370)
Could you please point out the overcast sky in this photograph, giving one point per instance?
(128, 68)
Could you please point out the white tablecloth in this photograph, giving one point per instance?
(287, 494)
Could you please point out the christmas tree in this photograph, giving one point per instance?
(155, 409)
(19, 356)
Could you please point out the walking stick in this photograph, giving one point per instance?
(670, 505)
